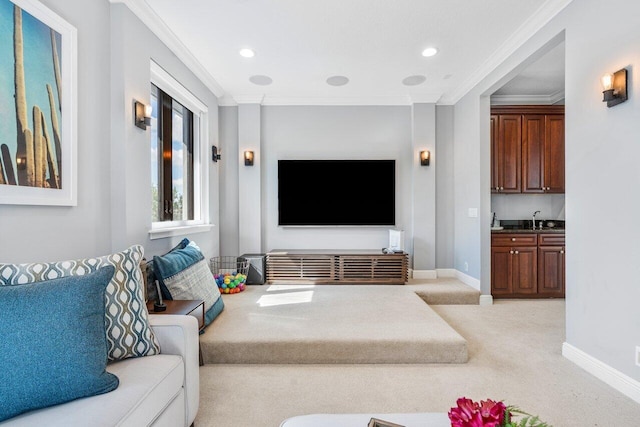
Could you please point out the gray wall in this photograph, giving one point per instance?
(444, 186)
(601, 177)
(229, 188)
(338, 132)
(33, 233)
(603, 269)
(131, 169)
(114, 182)
(335, 133)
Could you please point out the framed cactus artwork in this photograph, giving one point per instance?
(38, 54)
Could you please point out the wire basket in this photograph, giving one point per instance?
(229, 264)
(230, 273)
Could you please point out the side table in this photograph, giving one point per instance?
(193, 308)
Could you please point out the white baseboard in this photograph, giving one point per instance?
(446, 272)
(486, 300)
(424, 274)
(616, 379)
(465, 278)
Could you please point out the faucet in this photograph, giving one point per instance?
(534, 219)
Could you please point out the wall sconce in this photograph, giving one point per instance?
(142, 113)
(214, 154)
(614, 87)
(248, 158)
(424, 158)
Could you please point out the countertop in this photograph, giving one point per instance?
(551, 226)
(554, 230)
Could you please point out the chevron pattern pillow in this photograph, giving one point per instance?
(126, 317)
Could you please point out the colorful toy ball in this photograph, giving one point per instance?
(230, 282)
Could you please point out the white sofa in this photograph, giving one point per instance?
(159, 391)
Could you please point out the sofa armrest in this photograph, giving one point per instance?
(178, 335)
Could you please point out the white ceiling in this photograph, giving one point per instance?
(540, 82)
(376, 44)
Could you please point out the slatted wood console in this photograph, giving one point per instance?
(336, 267)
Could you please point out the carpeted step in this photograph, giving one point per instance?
(284, 324)
(448, 291)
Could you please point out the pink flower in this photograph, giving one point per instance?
(492, 412)
(471, 414)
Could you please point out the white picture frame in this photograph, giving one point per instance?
(50, 177)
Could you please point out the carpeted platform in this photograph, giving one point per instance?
(301, 324)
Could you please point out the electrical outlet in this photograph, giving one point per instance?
(472, 213)
(466, 268)
(638, 355)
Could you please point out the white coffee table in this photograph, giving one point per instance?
(425, 419)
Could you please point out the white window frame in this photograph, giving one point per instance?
(201, 221)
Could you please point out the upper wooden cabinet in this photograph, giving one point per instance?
(506, 153)
(527, 149)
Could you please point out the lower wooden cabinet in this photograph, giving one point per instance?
(527, 265)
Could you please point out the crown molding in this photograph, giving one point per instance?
(249, 99)
(141, 9)
(346, 101)
(528, 99)
(531, 26)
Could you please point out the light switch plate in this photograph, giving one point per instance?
(473, 213)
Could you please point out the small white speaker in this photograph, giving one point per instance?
(396, 240)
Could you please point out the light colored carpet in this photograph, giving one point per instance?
(444, 291)
(330, 324)
(515, 355)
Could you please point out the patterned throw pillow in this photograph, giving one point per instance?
(184, 274)
(126, 317)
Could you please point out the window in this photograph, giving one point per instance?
(179, 174)
(171, 158)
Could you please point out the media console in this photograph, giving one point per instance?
(336, 267)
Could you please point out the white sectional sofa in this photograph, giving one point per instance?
(160, 391)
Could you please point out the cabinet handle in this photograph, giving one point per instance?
(501, 188)
(511, 252)
(517, 252)
(562, 251)
(513, 239)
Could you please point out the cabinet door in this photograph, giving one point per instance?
(501, 276)
(525, 270)
(509, 152)
(495, 182)
(533, 150)
(554, 153)
(551, 275)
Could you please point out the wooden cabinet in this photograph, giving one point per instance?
(506, 153)
(551, 272)
(527, 265)
(554, 153)
(514, 264)
(337, 267)
(527, 149)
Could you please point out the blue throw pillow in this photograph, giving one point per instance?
(53, 342)
(184, 274)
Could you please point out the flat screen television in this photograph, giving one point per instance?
(336, 192)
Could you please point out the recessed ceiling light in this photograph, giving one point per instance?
(261, 80)
(337, 81)
(430, 51)
(413, 80)
(247, 53)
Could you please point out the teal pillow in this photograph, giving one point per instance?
(53, 342)
(184, 274)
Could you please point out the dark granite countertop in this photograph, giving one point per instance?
(554, 230)
(525, 226)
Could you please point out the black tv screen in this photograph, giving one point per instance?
(336, 192)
